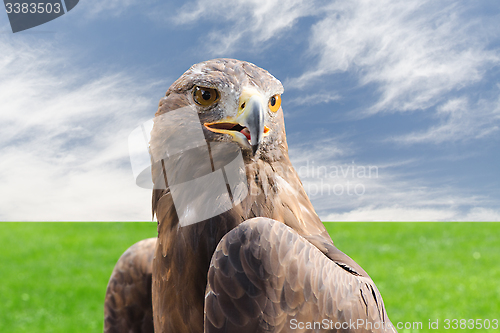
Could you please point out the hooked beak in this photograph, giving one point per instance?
(248, 126)
(253, 119)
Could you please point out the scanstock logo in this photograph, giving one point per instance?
(26, 14)
(204, 178)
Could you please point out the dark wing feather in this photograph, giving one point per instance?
(265, 277)
(128, 306)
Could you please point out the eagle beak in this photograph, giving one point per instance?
(248, 126)
(253, 118)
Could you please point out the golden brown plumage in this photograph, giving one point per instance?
(265, 277)
(128, 307)
(263, 273)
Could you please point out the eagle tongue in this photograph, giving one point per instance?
(246, 133)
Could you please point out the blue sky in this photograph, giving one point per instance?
(406, 89)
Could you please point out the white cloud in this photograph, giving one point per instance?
(459, 121)
(345, 190)
(481, 214)
(414, 51)
(392, 213)
(252, 22)
(64, 138)
(405, 214)
(317, 98)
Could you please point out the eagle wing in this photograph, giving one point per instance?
(265, 277)
(128, 305)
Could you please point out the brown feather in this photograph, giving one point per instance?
(128, 306)
(341, 297)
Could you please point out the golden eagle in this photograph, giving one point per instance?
(265, 265)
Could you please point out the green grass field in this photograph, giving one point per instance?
(53, 276)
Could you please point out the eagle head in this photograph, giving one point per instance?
(236, 102)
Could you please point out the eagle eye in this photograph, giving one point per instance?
(275, 103)
(205, 96)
